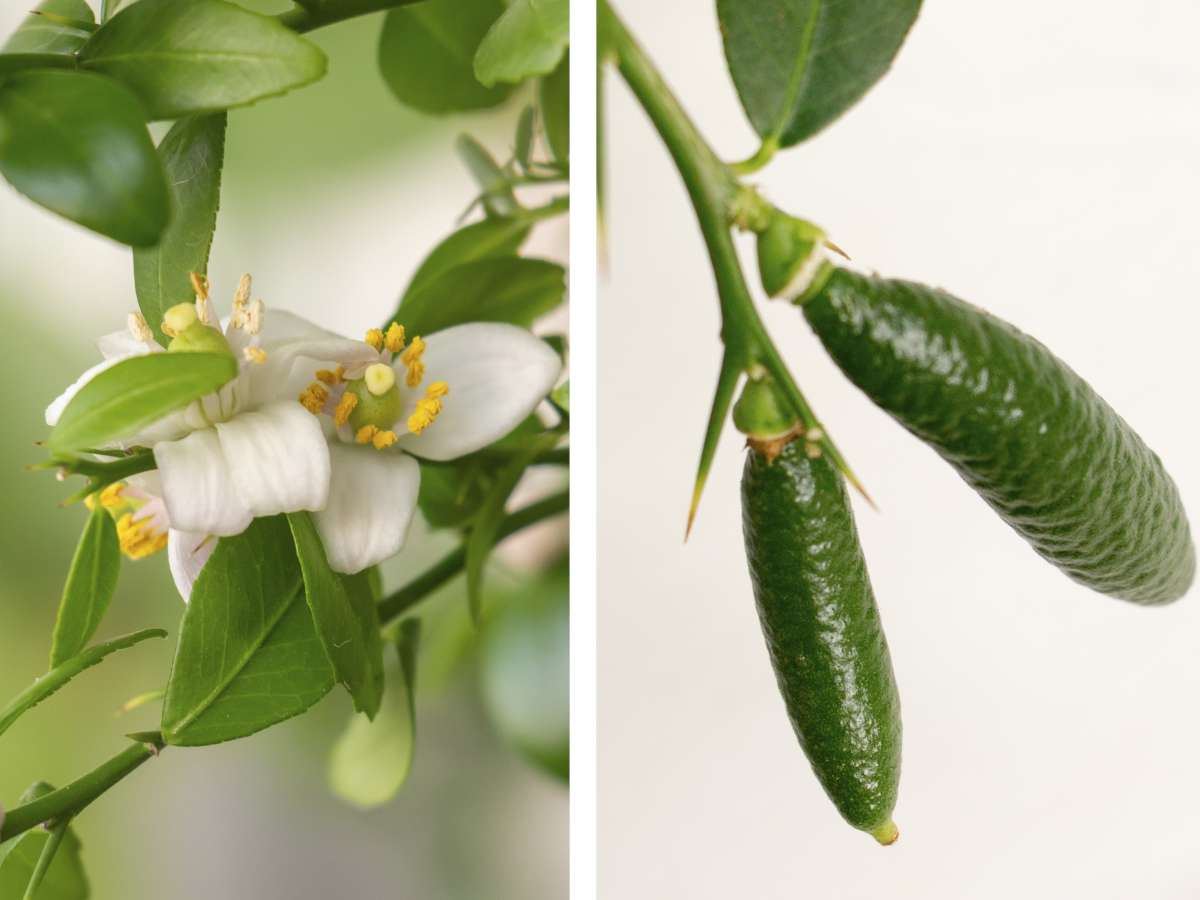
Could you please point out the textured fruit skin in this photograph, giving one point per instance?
(1032, 437)
(822, 629)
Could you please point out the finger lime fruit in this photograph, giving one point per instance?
(822, 629)
(1031, 436)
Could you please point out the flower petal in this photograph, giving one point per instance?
(497, 375)
(278, 459)
(187, 552)
(198, 487)
(372, 498)
(123, 344)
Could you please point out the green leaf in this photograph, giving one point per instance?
(554, 95)
(64, 879)
(77, 145)
(426, 54)
(498, 197)
(192, 154)
(248, 655)
(343, 611)
(487, 239)
(529, 39)
(525, 671)
(372, 760)
(198, 56)
(506, 289)
(452, 492)
(135, 392)
(523, 144)
(39, 34)
(799, 64)
(58, 676)
(91, 581)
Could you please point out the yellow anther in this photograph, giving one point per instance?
(138, 538)
(394, 340)
(204, 311)
(341, 414)
(379, 378)
(113, 495)
(139, 329)
(252, 320)
(437, 390)
(199, 285)
(314, 397)
(381, 440)
(178, 318)
(424, 415)
(365, 434)
(375, 338)
(330, 378)
(242, 295)
(255, 355)
(411, 357)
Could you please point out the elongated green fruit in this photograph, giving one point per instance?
(823, 631)
(1032, 437)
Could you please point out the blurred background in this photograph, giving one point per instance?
(331, 197)
(1039, 161)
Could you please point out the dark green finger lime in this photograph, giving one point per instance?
(823, 631)
(1032, 437)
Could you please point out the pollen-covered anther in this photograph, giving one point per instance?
(379, 378)
(314, 397)
(394, 339)
(253, 319)
(411, 357)
(366, 434)
(325, 376)
(256, 355)
(242, 295)
(139, 328)
(381, 440)
(138, 537)
(374, 337)
(109, 498)
(178, 318)
(204, 311)
(437, 390)
(345, 406)
(199, 285)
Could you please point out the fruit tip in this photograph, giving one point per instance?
(887, 833)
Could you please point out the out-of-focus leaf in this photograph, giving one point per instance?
(426, 54)
(248, 654)
(192, 154)
(561, 396)
(77, 144)
(343, 610)
(452, 492)
(91, 581)
(371, 760)
(529, 39)
(554, 93)
(523, 145)
(39, 34)
(525, 671)
(799, 64)
(198, 56)
(135, 392)
(63, 880)
(487, 239)
(498, 197)
(61, 674)
(512, 289)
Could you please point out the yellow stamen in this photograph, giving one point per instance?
(365, 434)
(379, 378)
(314, 397)
(252, 320)
(199, 285)
(138, 538)
(375, 338)
(411, 357)
(383, 439)
(242, 295)
(204, 312)
(255, 355)
(113, 495)
(330, 378)
(178, 318)
(139, 329)
(437, 389)
(424, 415)
(341, 415)
(394, 339)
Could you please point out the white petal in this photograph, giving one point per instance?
(122, 344)
(198, 486)
(187, 552)
(278, 459)
(497, 374)
(372, 498)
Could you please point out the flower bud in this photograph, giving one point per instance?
(791, 258)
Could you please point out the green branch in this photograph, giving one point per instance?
(311, 14)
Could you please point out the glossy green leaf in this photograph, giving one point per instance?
(346, 621)
(554, 95)
(91, 581)
(452, 492)
(197, 56)
(507, 289)
(799, 64)
(426, 54)
(486, 239)
(64, 879)
(371, 760)
(248, 655)
(192, 153)
(497, 194)
(135, 392)
(77, 145)
(525, 671)
(529, 39)
(39, 34)
(46, 685)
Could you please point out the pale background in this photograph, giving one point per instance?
(1040, 160)
(331, 197)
